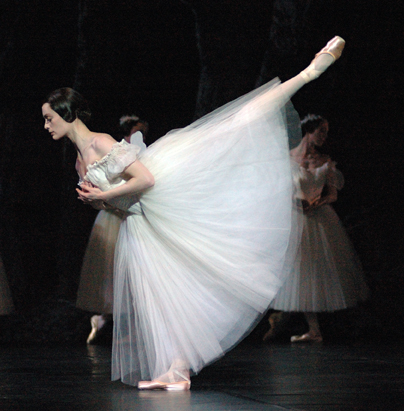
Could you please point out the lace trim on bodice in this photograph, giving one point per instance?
(122, 154)
(107, 173)
(310, 182)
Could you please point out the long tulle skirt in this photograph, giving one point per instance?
(95, 291)
(6, 303)
(216, 236)
(329, 276)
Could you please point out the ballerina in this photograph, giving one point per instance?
(329, 276)
(95, 292)
(210, 228)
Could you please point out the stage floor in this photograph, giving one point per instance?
(254, 376)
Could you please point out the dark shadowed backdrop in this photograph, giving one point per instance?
(170, 62)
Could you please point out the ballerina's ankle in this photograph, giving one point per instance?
(327, 56)
(318, 66)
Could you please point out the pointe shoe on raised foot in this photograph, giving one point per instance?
(334, 49)
(183, 385)
(306, 338)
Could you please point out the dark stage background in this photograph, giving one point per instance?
(171, 61)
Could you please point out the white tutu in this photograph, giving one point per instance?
(329, 276)
(6, 303)
(95, 291)
(202, 253)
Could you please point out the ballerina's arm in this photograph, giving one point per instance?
(138, 178)
(331, 197)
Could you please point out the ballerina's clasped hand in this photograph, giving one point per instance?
(91, 195)
(138, 179)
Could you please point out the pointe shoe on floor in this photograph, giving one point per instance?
(306, 338)
(168, 386)
(334, 49)
(97, 323)
(183, 385)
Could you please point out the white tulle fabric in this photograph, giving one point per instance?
(202, 253)
(95, 291)
(329, 276)
(6, 303)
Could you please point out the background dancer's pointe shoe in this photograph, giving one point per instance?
(324, 58)
(97, 322)
(306, 338)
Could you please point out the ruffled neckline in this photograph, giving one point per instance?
(104, 159)
(324, 167)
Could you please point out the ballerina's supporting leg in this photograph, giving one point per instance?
(175, 379)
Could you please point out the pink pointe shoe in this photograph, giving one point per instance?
(334, 49)
(306, 338)
(183, 385)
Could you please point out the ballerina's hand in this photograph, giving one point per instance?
(86, 183)
(89, 194)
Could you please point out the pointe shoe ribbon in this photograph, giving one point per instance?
(333, 48)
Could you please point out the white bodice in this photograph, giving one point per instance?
(310, 182)
(106, 174)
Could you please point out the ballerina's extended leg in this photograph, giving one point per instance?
(323, 59)
(327, 56)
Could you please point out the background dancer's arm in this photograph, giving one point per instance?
(330, 197)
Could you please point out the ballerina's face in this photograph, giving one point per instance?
(55, 124)
(319, 135)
